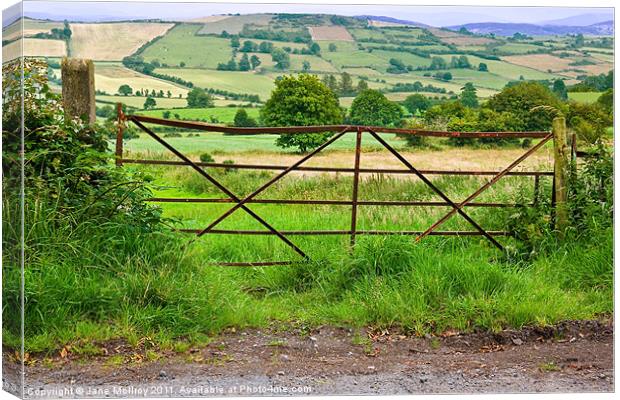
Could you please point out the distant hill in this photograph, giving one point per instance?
(580, 20)
(509, 29)
(391, 20)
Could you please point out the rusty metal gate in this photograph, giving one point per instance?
(339, 131)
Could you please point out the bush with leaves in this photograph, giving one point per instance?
(589, 121)
(371, 107)
(206, 158)
(66, 163)
(591, 191)
(590, 207)
(606, 100)
(484, 120)
(520, 99)
(301, 100)
(242, 119)
(414, 140)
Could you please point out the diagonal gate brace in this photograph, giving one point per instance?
(486, 185)
(221, 187)
(241, 203)
(456, 207)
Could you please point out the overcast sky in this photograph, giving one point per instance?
(432, 15)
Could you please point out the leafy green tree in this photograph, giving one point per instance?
(589, 121)
(234, 42)
(371, 107)
(459, 62)
(438, 63)
(254, 61)
(346, 85)
(483, 120)
(305, 66)
(482, 67)
(182, 64)
(331, 82)
(468, 96)
(199, 98)
(249, 46)
(416, 102)
(242, 119)
(281, 59)
(300, 101)
(169, 94)
(332, 47)
(265, 47)
(521, 99)
(559, 88)
(361, 85)
(579, 42)
(125, 90)
(166, 114)
(440, 114)
(396, 67)
(414, 140)
(149, 103)
(606, 100)
(444, 76)
(315, 48)
(244, 63)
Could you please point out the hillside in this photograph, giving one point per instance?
(398, 57)
(507, 29)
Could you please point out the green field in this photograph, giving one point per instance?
(181, 44)
(348, 55)
(516, 48)
(505, 69)
(224, 115)
(407, 58)
(234, 25)
(138, 102)
(369, 33)
(213, 142)
(585, 97)
(199, 46)
(236, 82)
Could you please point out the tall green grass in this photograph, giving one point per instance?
(98, 280)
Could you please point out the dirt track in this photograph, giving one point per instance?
(573, 356)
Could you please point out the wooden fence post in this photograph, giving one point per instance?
(119, 134)
(562, 161)
(78, 88)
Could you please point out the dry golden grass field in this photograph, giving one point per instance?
(34, 47)
(467, 40)
(209, 18)
(31, 28)
(380, 24)
(109, 76)
(113, 41)
(458, 39)
(546, 62)
(446, 159)
(330, 33)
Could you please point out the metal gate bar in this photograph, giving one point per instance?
(335, 169)
(331, 202)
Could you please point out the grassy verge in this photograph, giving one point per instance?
(104, 281)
